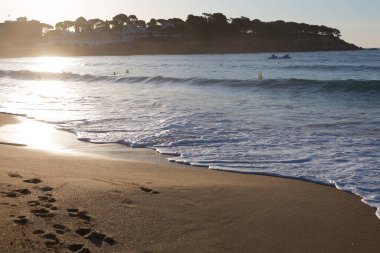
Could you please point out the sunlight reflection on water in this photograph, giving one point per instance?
(31, 133)
(50, 64)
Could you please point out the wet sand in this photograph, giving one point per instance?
(64, 202)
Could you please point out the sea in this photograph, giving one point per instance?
(314, 117)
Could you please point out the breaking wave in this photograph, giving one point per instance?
(292, 83)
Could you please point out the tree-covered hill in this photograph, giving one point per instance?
(208, 33)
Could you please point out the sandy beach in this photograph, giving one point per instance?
(55, 202)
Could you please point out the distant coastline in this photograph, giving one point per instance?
(127, 35)
(182, 46)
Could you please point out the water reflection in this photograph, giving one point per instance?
(31, 133)
(50, 64)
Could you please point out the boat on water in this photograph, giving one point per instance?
(275, 57)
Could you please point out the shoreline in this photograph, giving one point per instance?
(63, 142)
(162, 207)
(125, 153)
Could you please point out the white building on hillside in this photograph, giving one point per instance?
(95, 38)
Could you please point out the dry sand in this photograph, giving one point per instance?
(51, 202)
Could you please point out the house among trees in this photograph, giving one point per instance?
(68, 38)
(96, 32)
(22, 32)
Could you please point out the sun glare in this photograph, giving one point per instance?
(50, 64)
(32, 133)
(49, 89)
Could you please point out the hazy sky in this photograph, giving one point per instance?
(358, 20)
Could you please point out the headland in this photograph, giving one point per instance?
(127, 35)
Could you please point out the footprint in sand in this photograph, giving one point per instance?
(149, 190)
(43, 213)
(46, 198)
(46, 188)
(11, 194)
(16, 193)
(33, 181)
(50, 239)
(60, 229)
(33, 203)
(78, 248)
(95, 237)
(21, 220)
(83, 215)
(38, 232)
(45, 201)
(14, 174)
(83, 231)
(23, 191)
(50, 206)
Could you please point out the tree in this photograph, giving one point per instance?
(336, 33)
(152, 24)
(103, 25)
(179, 26)
(60, 26)
(119, 21)
(69, 25)
(217, 24)
(217, 19)
(81, 25)
(95, 24)
(241, 25)
(197, 26)
(133, 20)
(140, 24)
(64, 25)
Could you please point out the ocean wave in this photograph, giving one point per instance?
(292, 83)
(324, 67)
(35, 75)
